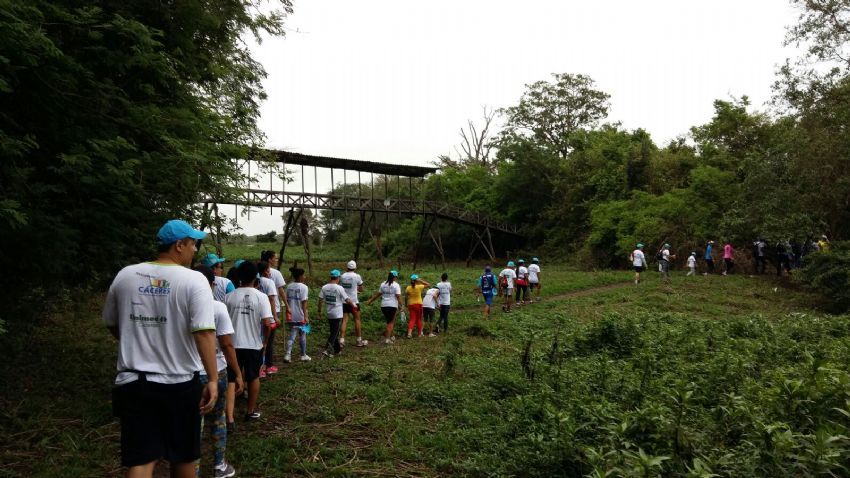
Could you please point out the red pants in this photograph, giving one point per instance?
(415, 317)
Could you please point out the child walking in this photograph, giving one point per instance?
(296, 306)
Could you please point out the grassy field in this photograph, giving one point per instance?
(711, 376)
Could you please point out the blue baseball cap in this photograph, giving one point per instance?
(511, 264)
(394, 273)
(211, 259)
(414, 277)
(177, 230)
(534, 259)
(335, 273)
(238, 263)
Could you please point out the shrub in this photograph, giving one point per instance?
(828, 274)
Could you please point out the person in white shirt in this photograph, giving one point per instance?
(333, 296)
(267, 286)
(228, 370)
(353, 284)
(429, 304)
(638, 261)
(506, 284)
(692, 264)
(444, 301)
(223, 285)
(251, 313)
(534, 277)
(390, 294)
(666, 257)
(162, 315)
(297, 294)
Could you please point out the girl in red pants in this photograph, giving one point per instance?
(413, 301)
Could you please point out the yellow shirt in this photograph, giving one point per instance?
(414, 294)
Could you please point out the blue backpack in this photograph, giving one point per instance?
(488, 284)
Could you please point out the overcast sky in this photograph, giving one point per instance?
(394, 81)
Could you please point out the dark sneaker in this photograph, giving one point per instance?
(231, 427)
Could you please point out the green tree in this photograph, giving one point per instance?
(550, 112)
(115, 116)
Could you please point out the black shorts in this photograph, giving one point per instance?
(428, 314)
(250, 361)
(389, 313)
(158, 420)
(534, 285)
(348, 309)
(639, 268)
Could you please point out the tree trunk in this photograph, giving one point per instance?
(305, 238)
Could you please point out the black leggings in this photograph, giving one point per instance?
(444, 317)
(521, 290)
(333, 338)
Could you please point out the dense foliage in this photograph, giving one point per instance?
(113, 116)
(662, 394)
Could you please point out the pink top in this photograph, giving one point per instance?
(727, 251)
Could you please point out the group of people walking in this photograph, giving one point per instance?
(191, 340)
(785, 254)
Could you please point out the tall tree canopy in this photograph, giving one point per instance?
(115, 115)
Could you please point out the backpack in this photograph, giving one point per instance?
(660, 256)
(488, 283)
(503, 282)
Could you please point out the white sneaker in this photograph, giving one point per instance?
(387, 341)
(305, 358)
(362, 343)
(432, 334)
(287, 358)
(392, 339)
(226, 472)
(342, 341)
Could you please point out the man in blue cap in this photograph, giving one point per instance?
(223, 285)
(161, 312)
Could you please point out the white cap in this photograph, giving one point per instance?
(352, 265)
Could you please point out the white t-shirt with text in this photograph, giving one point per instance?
(350, 281)
(156, 308)
(334, 296)
(248, 309)
(296, 293)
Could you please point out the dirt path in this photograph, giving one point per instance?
(564, 295)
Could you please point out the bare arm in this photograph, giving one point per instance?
(304, 309)
(226, 343)
(205, 342)
(267, 331)
(372, 299)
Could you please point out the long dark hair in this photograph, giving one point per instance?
(390, 278)
(267, 256)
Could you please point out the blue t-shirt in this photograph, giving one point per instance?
(708, 252)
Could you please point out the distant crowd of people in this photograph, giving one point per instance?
(785, 255)
(191, 340)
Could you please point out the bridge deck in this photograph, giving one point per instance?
(264, 198)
